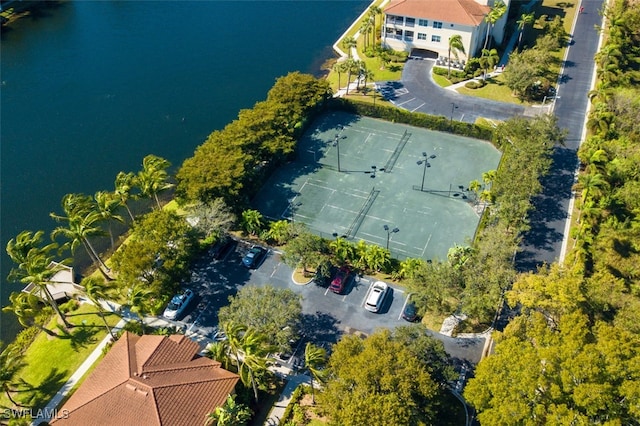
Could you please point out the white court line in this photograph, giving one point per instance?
(427, 244)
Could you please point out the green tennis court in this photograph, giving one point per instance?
(354, 175)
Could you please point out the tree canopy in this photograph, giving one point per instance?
(274, 312)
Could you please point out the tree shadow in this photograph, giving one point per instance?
(48, 388)
(81, 336)
(320, 327)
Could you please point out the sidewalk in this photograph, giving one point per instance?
(285, 397)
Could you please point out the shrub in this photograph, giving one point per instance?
(69, 306)
(475, 84)
(296, 396)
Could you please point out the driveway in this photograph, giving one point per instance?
(417, 92)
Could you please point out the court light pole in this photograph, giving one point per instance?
(424, 171)
(336, 143)
(389, 232)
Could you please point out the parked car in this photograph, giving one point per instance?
(340, 280)
(222, 247)
(178, 305)
(253, 258)
(410, 311)
(376, 296)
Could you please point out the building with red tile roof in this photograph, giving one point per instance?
(427, 25)
(149, 380)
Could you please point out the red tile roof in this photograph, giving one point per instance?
(150, 380)
(464, 12)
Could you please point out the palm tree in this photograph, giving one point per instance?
(229, 414)
(152, 179)
(348, 43)
(365, 29)
(342, 249)
(254, 349)
(11, 363)
(26, 307)
(367, 75)
(455, 46)
(374, 11)
(315, 358)
(234, 332)
(82, 218)
(377, 257)
(251, 221)
(339, 67)
(124, 184)
(34, 265)
(107, 204)
(488, 60)
(525, 19)
(410, 267)
(594, 184)
(351, 66)
(219, 351)
(96, 291)
(498, 9)
(138, 301)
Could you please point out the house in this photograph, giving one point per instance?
(149, 380)
(425, 26)
(61, 285)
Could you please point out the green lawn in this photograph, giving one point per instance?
(51, 361)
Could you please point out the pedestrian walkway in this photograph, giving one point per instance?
(276, 413)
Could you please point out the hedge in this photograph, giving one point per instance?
(417, 119)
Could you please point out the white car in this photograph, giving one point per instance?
(178, 304)
(376, 296)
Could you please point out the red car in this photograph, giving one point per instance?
(340, 279)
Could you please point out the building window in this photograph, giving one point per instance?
(410, 22)
(422, 36)
(398, 35)
(408, 35)
(396, 20)
(423, 22)
(437, 24)
(435, 39)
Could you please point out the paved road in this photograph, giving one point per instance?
(543, 243)
(326, 316)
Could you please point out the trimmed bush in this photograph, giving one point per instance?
(475, 84)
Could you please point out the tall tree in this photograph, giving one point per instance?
(98, 291)
(11, 364)
(525, 19)
(378, 378)
(455, 46)
(254, 349)
(348, 43)
(153, 178)
(497, 11)
(107, 204)
(374, 12)
(27, 307)
(271, 311)
(124, 185)
(35, 266)
(82, 221)
(315, 359)
(231, 413)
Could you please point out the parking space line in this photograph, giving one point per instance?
(406, 300)
(366, 295)
(418, 107)
(402, 103)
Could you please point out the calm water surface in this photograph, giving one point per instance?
(89, 88)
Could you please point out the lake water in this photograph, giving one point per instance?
(89, 88)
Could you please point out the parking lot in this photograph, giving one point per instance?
(214, 281)
(326, 315)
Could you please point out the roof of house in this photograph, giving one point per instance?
(61, 284)
(149, 380)
(464, 12)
